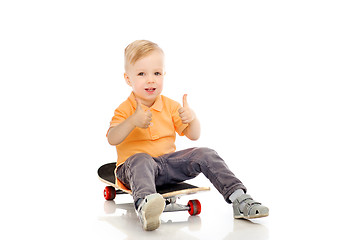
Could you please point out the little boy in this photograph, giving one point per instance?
(143, 129)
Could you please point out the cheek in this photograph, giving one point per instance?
(137, 84)
(160, 82)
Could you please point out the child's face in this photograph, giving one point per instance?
(146, 77)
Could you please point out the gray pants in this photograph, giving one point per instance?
(142, 173)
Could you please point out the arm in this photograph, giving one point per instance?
(140, 119)
(188, 116)
(193, 130)
(118, 133)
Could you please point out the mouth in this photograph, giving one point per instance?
(150, 90)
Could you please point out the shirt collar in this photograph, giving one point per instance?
(157, 105)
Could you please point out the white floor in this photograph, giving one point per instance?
(73, 210)
(215, 222)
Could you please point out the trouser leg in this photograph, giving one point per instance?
(187, 164)
(138, 173)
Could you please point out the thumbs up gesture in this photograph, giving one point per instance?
(186, 113)
(141, 118)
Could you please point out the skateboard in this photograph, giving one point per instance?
(170, 192)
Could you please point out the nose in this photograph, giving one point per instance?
(151, 79)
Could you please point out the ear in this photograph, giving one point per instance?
(125, 75)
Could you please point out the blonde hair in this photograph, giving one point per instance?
(139, 49)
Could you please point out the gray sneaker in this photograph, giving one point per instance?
(149, 211)
(251, 209)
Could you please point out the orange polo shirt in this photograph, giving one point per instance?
(156, 140)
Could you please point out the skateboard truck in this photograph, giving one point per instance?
(193, 207)
(172, 206)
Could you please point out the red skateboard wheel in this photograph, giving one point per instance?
(109, 193)
(194, 207)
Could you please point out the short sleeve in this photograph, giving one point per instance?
(120, 115)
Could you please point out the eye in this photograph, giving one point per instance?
(158, 73)
(141, 74)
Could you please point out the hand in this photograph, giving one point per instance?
(141, 118)
(186, 113)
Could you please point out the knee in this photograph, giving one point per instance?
(204, 155)
(204, 151)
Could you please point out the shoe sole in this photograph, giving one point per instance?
(252, 217)
(151, 214)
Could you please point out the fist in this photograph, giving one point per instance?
(141, 118)
(186, 113)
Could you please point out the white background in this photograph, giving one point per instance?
(266, 79)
